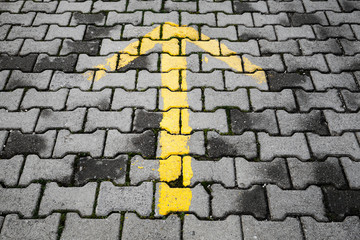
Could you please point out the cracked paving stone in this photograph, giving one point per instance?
(88, 168)
(225, 202)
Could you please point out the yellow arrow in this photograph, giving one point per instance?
(174, 138)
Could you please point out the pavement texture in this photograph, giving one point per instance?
(167, 119)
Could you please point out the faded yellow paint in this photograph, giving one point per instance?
(187, 170)
(169, 62)
(170, 80)
(170, 144)
(233, 61)
(171, 30)
(173, 199)
(173, 99)
(170, 121)
(125, 59)
(170, 169)
(110, 65)
(169, 46)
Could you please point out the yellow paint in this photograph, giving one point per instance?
(225, 50)
(169, 46)
(185, 128)
(110, 65)
(170, 80)
(170, 121)
(173, 99)
(170, 169)
(233, 61)
(249, 67)
(169, 62)
(206, 59)
(132, 48)
(259, 76)
(187, 170)
(89, 75)
(173, 144)
(171, 30)
(140, 167)
(173, 199)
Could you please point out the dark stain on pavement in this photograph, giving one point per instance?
(145, 143)
(141, 62)
(252, 201)
(146, 120)
(218, 147)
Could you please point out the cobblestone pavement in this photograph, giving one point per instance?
(167, 119)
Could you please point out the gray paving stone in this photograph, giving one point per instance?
(3, 136)
(319, 100)
(90, 169)
(271, 147)
(309, 202)
(4, 29)
(188, 6)
(193, 99)
(146, 99)
(199, 205)
(293, 6)
(327, 81)
(299, 19)
(86, 62)
(11, 100)
(210, 63)
(304, 174)
(350, 47)
(61, 19)
(113, 199)
(71, 80)
(11, 6)
(228, 32)
(55, 100)
(231, 145)
(100, 32)
(83, 7)
(25, 121)
(19, 200)
(100, 99)
(57, 198)
(31, 46)
(258, 6)
(221, 171)
(345, 144)
(37, 80)
(214, 99)
(136, 228)
(296, 63)
(249, 47)
(324, 32)
(100, 6)
(226, 229)
(57, 170)
(23, 19)
(206, 6)
(75, 33)
(144, 169)
(267, 230)
(68, 142)
(266, 32)
(10, 170)
(213, 79)
(42, 229)
(337, 18)
(309, 47)
(151, 18)
(109, 46)
(208, 120)
(356, 30)
(279, 100)
(145, 62)
(349, 6)
(147, 79)
(3, 77)
(313, 121)
(117, 142)
(19, 143)
(143, 5)
(195, 18)
(87, 228)
(144, 120)
(11, 47)
(273, 62)
(89, 47)
(285, 33)
(100, 119)
(251, 173)
(340, 122)
(280, 81)
(225, 202)
(30, 6)
(352, 100)
(252, 121)
(270, 19)
(231, 19)
(348, 229)
(131, 31)
(125, 80)
(36, 33)
(351, 169)
(235, 80)
(72, 120)
(312, 6)
(270, 47)
(97, 19)
(63, 63)
(194, 47)
(338, 64)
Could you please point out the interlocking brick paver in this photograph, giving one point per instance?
(36, 33)
(237, 98)
(61, 19)
(11, 47)
(20, 200)
(135, 227)
(111, 119)
(63, 63)
(270, 19)
(100, 99)
(319, 100)
(281, 100)
(266, 32)
(205, 120)
(341, 203)
(57, 198)
(296, 63)
(11, 100)
(50, 47)
(42, 229)
(20, 19)
(88, 47)
(352, 100)
(226, 229)
(55, 100)
(325, 32)
(48, 7)
(10, 170)
(351, 168)
(339, 123)
(71, 80)
(146, 99)
(135, 198)
(323, 82)
(310, 47)
(66, 6)
(100, 6)
(308, 202)
(280, 81)
(59, 170)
